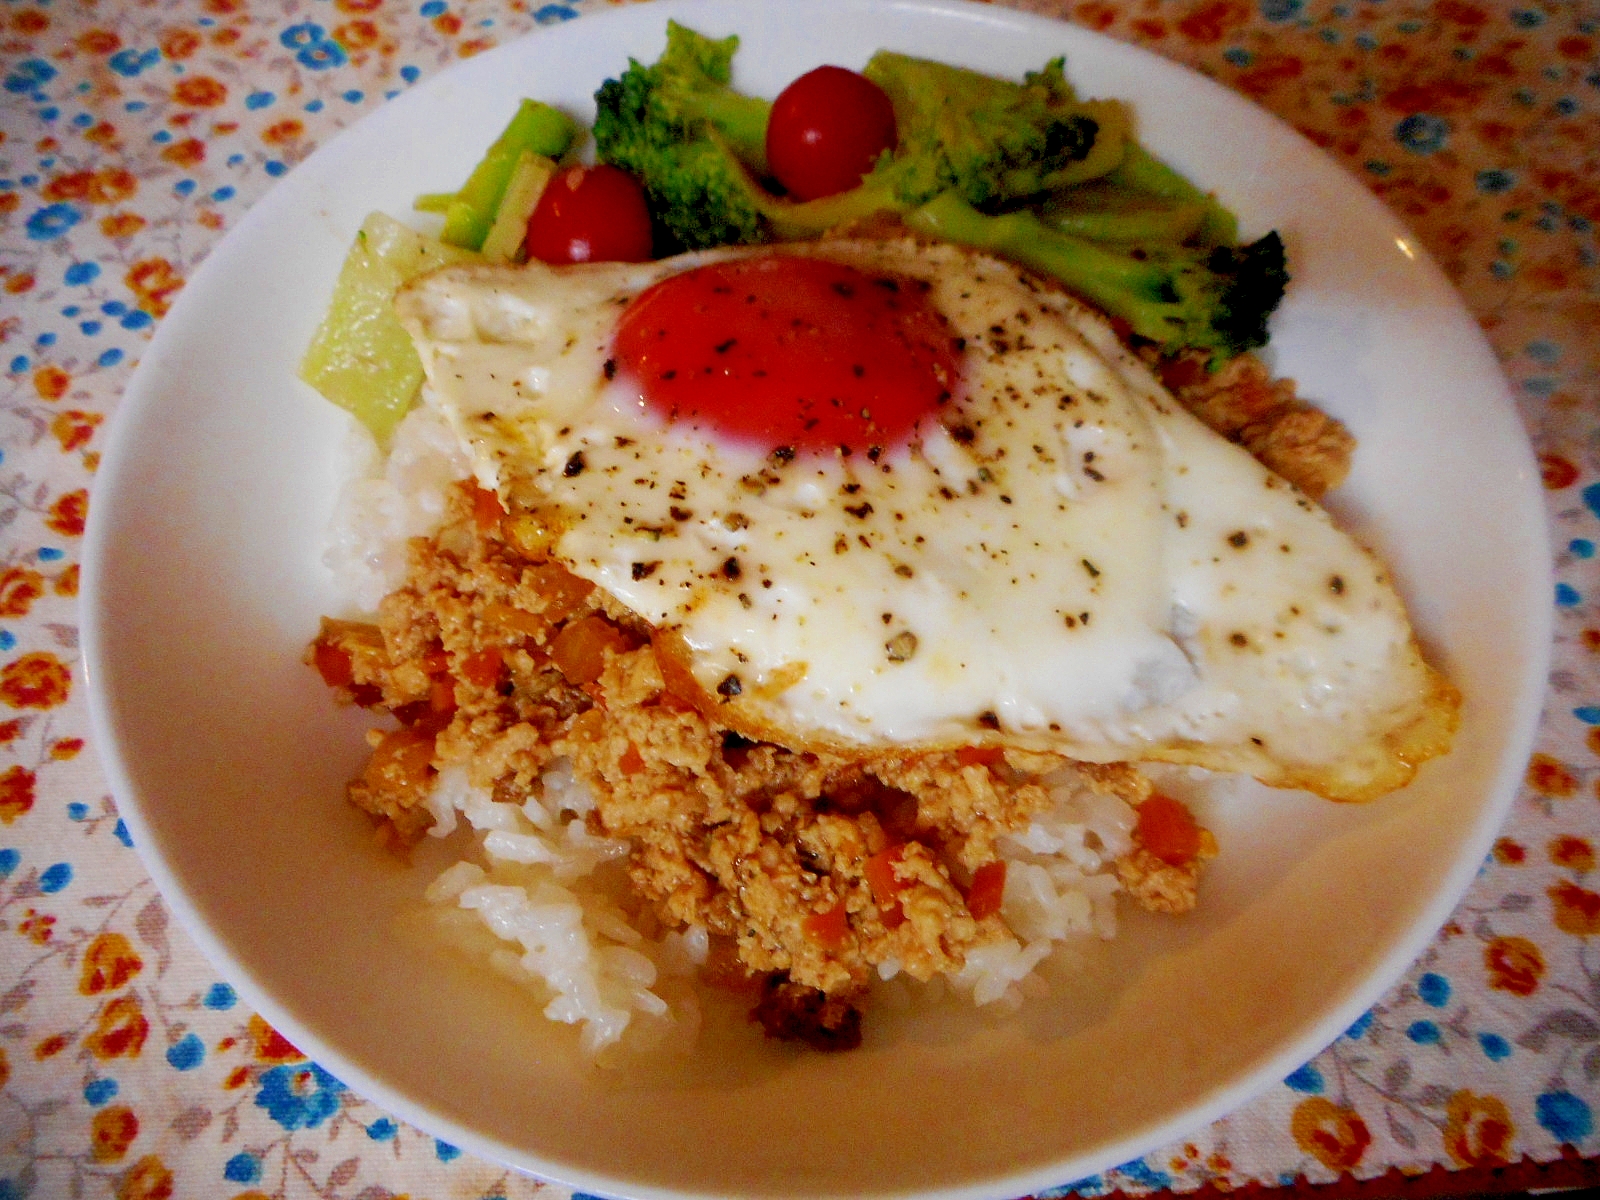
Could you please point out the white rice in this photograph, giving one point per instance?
(538, 888)
(543, 899)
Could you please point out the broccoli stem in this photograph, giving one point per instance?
(1136, 290)
(537, 128)
(740, 119)
(1141, 171)
(1127, 222)
(1215, 299)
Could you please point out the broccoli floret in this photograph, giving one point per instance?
(1213, 299)
(698, 146)
(681, 129)
(993, 142)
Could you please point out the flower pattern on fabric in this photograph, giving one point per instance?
(132, 137)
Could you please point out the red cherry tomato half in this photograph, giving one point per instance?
(826, 131)
(590, 214)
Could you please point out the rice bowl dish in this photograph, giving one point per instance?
(1170, 1025)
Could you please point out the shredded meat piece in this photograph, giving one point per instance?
(1243, 403)
(791, 1012)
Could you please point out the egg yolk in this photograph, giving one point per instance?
(785, 351)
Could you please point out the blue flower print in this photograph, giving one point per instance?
(28, 76)
(52, 221)
(298, 37)
(1566, 1116)
(129, 63)
(1422, 133)
(299, 1095)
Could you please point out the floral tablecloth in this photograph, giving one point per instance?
(135, 133)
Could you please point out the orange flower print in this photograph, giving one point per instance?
(19, 588)
(99, 41)
(357, 6)
(111, 1133)
(122, 224)
(121, 1029)
(105, 186)
(74, 428)
(37, 927)
(178, 44)
(1514, 965)
(185, 153)
(1577, 910)
(1510, 853)
(30, 20)
(147, 1179)
(101, 133)
(1337, 1137)
(16, 792)
(5, 1068)
(200, 91)
(270, 1045)
(154, 281)
(1550, 777)
(51, 382)
(108, 964)
(1478, 1130)
(1212, 22)
(36, 680)
(67, 582)
(1573, 853)
(9, 202)
(10, 731)
(357, 35)
(66, 749)
(281, 132)
(68, 514)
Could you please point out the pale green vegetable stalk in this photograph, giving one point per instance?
(361, 358)
(510, 228)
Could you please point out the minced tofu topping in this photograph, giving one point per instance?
(810, 871)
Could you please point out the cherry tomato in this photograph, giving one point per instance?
(590, 214)
(826, 131)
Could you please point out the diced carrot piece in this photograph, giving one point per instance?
(828, 928)
(334, 664)
(486, 509)
(987, 891)
(979, 756)
(579, 650)
(564, 593)
(672, 656)
(1167, 829)
(436, 661)
(515, 620)
(442, 696)
(886, 888)
(482, 669)
(631, 762)
(402, 762)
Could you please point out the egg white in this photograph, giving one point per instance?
(1064, 559)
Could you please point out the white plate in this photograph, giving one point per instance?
(203, 583)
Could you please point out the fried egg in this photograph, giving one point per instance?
(954, 511)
